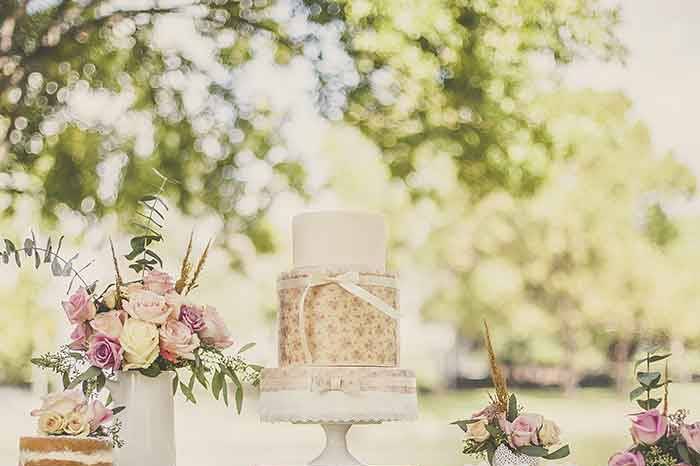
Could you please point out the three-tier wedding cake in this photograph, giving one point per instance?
(339, 346)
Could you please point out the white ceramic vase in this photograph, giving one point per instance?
(148, 422)
(505, 457)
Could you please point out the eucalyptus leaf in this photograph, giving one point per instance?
(637, 392)
(512, 408)
(651, 359)
(56, 268)
(47, 253)
(28, 247)
(649, 379)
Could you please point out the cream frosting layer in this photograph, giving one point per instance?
(88, 459)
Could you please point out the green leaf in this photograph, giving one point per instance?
(649, 379)
(65, 378)
(47, 254)
(652, 359)
(490, 453)
(532, 450)
(101, 381)
(154, 256)
(217, 383)
(246, 347)
(512, 408)
(151, 371)
(118, 410)
(56, 268)
(649, 404)
(224, 392)
(637, 392)
(187, 391)
(176, 382)
(684, 453)
(464, 424)
(201, 378)
(493, 430)
(28, 247)
(10, 246)
(89, 374)
(239, 399)
(563, 452)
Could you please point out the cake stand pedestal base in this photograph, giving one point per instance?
(336, 452)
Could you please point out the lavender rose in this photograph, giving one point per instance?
(79, 307)
(649, 427)
(105, 353)
(691, 435)
(193, 317)
(627, 458)
(158, 282)
(215, 332)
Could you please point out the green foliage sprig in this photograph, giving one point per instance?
(60, 266)
(150, 223)
(650, 380)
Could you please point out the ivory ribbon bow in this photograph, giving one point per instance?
(349, 281)
(336, 383)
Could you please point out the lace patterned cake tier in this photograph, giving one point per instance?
(338, 395)
(338, 317)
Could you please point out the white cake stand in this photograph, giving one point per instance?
(336, 413)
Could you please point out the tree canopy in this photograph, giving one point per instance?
(453, 76)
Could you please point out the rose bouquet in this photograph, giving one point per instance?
(148, 324)
(503, 432)
(71, 413)
(658, 439)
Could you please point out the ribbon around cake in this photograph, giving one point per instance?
(349, 281)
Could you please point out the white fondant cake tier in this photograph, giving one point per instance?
(338, 395)
(339, 237)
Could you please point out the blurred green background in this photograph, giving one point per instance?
(535, 160)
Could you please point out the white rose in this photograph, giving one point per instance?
(139, 339)
(477, 431)
(549, 433)
(51, 423)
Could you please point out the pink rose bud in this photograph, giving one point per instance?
(98, 414)
(105, 352)
(158, 282)
(215, 332)
(691, 435)
(649, 427)
(626, 458)
(80, 336)
(79, 307)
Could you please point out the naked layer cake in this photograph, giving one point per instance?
(64, 451)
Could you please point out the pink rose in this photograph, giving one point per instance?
(215, 332)
(193, 317)
(105, 352)
(80, 336)
(691, 435)
(147, 306)
(62, 403)
(523, 430)
(79, 307)
(649, 427)
(109, 323)
(626, 458)
(98, 414)
(158, 282)
(177, 341)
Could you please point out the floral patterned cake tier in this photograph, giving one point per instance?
(349, 317)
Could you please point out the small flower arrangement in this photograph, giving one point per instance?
(503, 432)
(148, 324)
(71, 413)
(658, 439)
